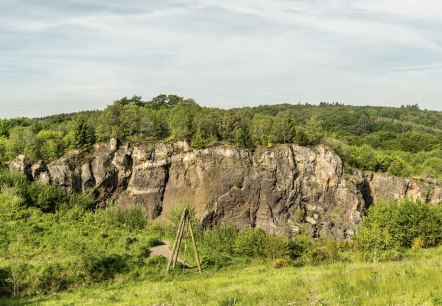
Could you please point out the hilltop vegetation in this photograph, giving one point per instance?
(404, 141)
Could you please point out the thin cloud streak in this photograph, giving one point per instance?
(78, 55)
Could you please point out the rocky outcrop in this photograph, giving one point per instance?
(285, 190)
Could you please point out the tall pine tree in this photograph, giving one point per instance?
(82, 135)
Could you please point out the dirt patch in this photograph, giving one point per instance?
(164, 250)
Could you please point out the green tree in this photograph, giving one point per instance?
(181, 119)
(82, 135)
(399, 167)
(313, 129)
(230, 122)
(261, 129)
(241, 137)
(164, 101)
(283, 128)
(365, 158)
(206, 122)
(390, 226)
(22, 140)
(51, 144)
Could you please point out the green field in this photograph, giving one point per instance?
(416, 280)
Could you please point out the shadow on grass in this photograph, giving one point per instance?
(21, 301)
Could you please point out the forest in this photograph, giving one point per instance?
(404, 141)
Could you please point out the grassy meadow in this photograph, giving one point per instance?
(416, 280)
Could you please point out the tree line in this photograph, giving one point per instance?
(405, 141)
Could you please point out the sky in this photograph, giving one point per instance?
(71, 55)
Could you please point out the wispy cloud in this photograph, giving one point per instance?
(69, 55)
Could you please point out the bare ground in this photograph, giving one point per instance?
(164, 250)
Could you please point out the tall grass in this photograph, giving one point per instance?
(415, 281)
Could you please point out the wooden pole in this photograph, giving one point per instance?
(185, 222)
(197, 257)
(180, 236)
(175, 244)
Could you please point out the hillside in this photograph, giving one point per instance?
(329, 194)
(403, 141)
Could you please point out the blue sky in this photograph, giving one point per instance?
(71, 55)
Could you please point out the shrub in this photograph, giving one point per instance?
(296, 248)
(46, 197)
(136, 217)
(12, 207)
(399, 167)
(391, 226)
(218, 246)
(322, 251)
(320, 254)
(16, 180)
(418, 243)
(154, 266)
(250, 242)
(112, 215)
(132, 216)
(276, 247)
(282, 262)
(49, 278)
(18, 277)
(221, 239)
(83, 200)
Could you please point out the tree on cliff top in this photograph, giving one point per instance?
(81, 134)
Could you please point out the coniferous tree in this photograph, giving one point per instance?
(82, 136)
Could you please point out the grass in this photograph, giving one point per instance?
(416, 280)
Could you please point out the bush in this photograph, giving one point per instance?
(276, 247)
(322, 251)
(296, 248)
(132, 216)
(218, 246)
(250, 242)
(321, 254)
(283, 262)
(221, 239)
(46, 197)
(16, 180)
(153, 266)
(12, 207)
(49, 278)
(391, 226)
(83, 200)
(136, 217)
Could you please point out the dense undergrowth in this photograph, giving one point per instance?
(53, 241)
(403, 141)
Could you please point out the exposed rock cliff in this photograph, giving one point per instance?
(286, 190)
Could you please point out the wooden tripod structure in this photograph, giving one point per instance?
(183, 226)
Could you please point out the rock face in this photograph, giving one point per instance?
(286, 190)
